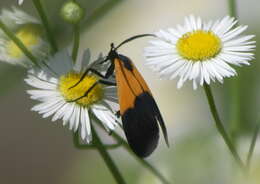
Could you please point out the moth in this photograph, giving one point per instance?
(140, 114)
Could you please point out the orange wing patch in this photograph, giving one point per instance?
(140, 79)
(130, 84)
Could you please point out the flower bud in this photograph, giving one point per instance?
(72, 12)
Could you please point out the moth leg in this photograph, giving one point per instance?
(118, 114)
(92, 87)
(86, 73)
(81, 78)
(86, 93)
(107, 75)
(108, 83)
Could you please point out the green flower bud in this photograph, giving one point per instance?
(72, 12)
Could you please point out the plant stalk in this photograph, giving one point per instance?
(252, 146)
(106, 157)
(221, 128)
(232, 4)
(76, 42)
(235, 118)
(45, 22)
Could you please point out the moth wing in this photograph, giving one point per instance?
(138, 109)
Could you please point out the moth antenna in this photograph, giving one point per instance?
(133, 38)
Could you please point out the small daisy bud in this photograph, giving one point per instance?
(72, 12)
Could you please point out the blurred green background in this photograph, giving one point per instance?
(34, 150)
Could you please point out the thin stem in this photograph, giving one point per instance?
(235, 121)
(18, 43)
(252, 146)
(78, 145)
(106, 157)
(45, 22)
(232, 4)
(76, 42)
(220, 126)
(146, 164)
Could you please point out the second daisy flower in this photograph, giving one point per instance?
(200, 51)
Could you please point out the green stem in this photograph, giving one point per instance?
(106, 157)
(18, 42)
(78, 145)
(142, 161)
(76, 42)
(220, 126)
(235, 119)
(45, 22)
(232, 8)
(252, 146)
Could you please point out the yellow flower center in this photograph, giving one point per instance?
(199, 45)
(29, 35)
(70, 94)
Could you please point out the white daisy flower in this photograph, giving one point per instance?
(52, 88)
(200, 51)
(28, 30)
